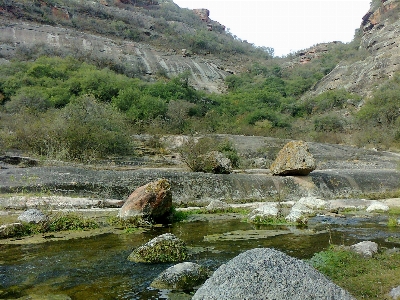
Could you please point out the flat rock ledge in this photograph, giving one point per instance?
(265, 273)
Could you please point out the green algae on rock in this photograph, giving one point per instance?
(164, 248)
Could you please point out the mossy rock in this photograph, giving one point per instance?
(183, 277)
(164, 248)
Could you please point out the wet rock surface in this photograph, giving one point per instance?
(184, 276)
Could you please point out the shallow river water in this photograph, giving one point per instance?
(97, 267)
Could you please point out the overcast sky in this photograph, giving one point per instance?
(286, 25)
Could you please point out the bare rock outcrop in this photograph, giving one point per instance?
(293, 159)
(153, 200)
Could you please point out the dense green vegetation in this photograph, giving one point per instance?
(60, 107)
(70, 105)
(55, 223)
(364, 278)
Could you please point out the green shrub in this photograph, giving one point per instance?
(194, 153)
(357, 275)
(85, 129)
(329, 100)
(228, 149)
(328, 123)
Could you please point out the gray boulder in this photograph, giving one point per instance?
(313, 202)
(184, 276)
(377, 206)
(293, 159)
(297, 216)
(164, 248)
(32, 216)
(217, 205)
(264, 212)
(264, 273)
(153, 200)
(365, 249)
(395, 293)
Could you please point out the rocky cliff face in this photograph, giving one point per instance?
(381, 38)
(144, 59)
(20, 32)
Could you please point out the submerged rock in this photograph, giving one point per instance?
(153, 200)
(293, 159)
(164, 248)
(32, 216)
(184, 276)
(264, 273)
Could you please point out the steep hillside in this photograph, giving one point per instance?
(380, 40)
(78, 75)
(139, 38)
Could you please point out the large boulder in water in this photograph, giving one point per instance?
(164, 248)
(153, 200)
(293, 159)
(264, 273)
(184, 276)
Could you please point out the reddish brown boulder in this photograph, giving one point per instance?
(152, 201)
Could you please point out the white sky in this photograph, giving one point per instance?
(286, 25)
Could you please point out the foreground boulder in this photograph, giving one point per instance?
(33, 216)
(184, 276)
(153, 200)
(164, 248)
(268, 274)
(293, 159)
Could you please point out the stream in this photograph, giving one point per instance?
(97, 267)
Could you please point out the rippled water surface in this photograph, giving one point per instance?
(97, 267)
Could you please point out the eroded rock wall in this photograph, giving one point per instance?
(145, 60)
(381, 38)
